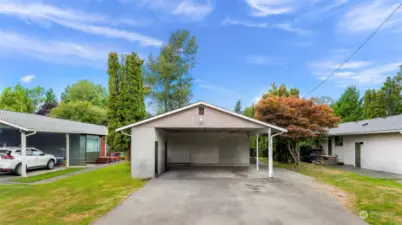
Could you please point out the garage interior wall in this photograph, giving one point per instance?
(208, 148)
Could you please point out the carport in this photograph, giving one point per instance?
(200, 134)
(77, 143)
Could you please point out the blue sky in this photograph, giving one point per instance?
(245, 45)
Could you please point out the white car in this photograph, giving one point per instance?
(10, 159)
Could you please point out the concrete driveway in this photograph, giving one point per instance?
(225, 196)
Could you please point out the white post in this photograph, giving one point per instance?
(270, 154)
(256, 156)
(67, 150)
(23, 154)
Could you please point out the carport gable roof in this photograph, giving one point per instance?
(32, 122)
(228, 112)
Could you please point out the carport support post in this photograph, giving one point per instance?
(23, 154)
(67, 150)
(270, 154)
(256, 156)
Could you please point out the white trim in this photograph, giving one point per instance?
(13, 125)
(205, 104)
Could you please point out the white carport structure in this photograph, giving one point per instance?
(199, 134)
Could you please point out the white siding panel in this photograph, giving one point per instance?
(381, 152)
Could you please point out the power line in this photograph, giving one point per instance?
(358, 49)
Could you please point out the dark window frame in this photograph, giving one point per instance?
(201, 111)
(338, 140)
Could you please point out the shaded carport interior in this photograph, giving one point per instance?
(62, 138)
(197, 135)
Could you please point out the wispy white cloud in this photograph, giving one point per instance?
(368, 15)
(85, 22)
(358, 72)
(193, 10)
(27, 79)
(261, 8)
(290, 28)
(284, 26)
(229, 21)
(53, 50)
(113, 33)
(189, 9)
(259, 60)
(207, 85)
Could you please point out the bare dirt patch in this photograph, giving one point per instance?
(347, 200)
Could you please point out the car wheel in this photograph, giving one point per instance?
(18, 170)
(50, 164)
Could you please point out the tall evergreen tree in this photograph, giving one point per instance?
(392, 96)
(126, 97)
(348, 107)
(380, 106)
(112, 103)
(368, 103)
(168, 75)
(237, 108)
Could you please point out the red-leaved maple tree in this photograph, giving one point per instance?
(303, 119)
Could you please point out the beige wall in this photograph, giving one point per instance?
(142, 152)
(208, 148)
(212, 118)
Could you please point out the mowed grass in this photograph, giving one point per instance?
(45, 176)
(78, 199)
(381, 198)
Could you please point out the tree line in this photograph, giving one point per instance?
(383, 102)
(165, 80)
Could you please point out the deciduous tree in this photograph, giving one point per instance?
(20, 99)
(80, 111)
(168, 75)
(85, 90)
(303, 119)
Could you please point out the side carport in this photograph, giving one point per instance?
(74, 141)
(200, 134)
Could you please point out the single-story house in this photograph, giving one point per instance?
(199, 134)
(374, 144)
(77, 143)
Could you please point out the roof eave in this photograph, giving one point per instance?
(15, 126)
(368, 132)
(206, 104)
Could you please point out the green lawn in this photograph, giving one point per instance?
(45, 176)
(78, 199)
(381, 198)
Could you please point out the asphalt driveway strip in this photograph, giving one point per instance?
(223, 196)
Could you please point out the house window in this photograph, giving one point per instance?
(338, 140)
(201, 111)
